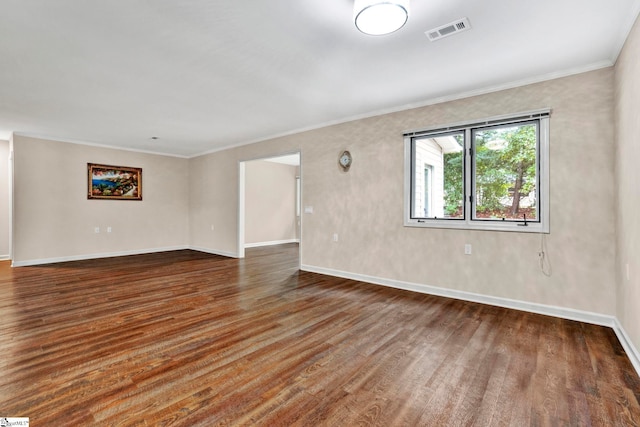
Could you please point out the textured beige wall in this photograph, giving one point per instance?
(627, 86)
(54, 219)
(365, 205)
(4, 199)
(270, 201)
(213, 202)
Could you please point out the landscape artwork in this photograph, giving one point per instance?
(114, 182)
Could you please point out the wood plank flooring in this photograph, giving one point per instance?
(189, 339)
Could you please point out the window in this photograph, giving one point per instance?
(491, 175)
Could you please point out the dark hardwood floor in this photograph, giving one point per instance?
(185, 338)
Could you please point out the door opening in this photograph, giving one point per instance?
(269, 202)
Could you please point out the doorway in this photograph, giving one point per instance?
(270, 197)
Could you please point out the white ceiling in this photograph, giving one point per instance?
(202, 75)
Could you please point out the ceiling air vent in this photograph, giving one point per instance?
(449, 29)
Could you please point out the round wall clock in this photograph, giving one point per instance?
(345, 160)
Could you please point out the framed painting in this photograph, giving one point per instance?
(114, 182)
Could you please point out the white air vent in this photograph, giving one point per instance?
(449, 29)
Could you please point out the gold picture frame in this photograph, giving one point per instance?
(106, 182)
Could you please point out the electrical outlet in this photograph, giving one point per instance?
(628, 275)
(108, 229)
(335, 237)
(96, 230)
(467, 249)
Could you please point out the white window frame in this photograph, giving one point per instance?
(469, 223)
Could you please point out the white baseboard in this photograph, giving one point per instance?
(42, 261)
(213, 251)
(549, 310)
(4, 257)
(271, 243)
(627, 344)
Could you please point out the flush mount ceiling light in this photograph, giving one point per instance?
(379, 17)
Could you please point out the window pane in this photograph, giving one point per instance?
(505, 172)
(437, 182)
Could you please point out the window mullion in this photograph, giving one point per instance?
(468, 182)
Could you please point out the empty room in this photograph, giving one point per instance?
(320, 213)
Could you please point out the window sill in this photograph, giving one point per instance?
(531, 227)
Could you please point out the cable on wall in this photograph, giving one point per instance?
(543, 257)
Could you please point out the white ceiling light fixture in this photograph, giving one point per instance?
(379, 17)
